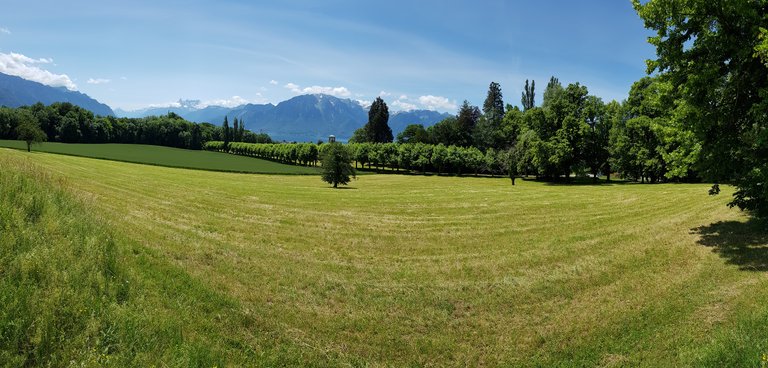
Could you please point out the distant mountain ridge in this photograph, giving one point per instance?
(16, 91)
(188, 109)
(301, 118)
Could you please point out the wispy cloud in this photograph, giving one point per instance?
(333, 91)
(437, 103)
(27, 68)
(273, 82)
(4, 30)
(98, 81)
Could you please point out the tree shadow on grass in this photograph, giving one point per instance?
(744, 244)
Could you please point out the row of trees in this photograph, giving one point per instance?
(64, 122)
(305, 154)
(420, 157)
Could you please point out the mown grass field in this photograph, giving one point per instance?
(424, 271)
(166, 156)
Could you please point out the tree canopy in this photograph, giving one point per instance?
(714, 53)
(377, 129)
(29, 130)
(68, 123)
(337, 164)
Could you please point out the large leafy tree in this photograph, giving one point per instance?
(445, 131)
(337, 164)
(715, 52)
(413, 133)
(377, 129)
(29, 130)
(466, 121)
(596, 138)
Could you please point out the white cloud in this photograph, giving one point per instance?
(124, 78)
(403, 105)
(4, 30)
(437, 103)
(230, 102)
(293, 87)
(234, 101)
(98, 81)
(364, 103)
(167, 104)
(273, 82)
(403, 97)
(27, 68)
(384, 94)
(333, 91)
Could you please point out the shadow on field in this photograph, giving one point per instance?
(744, 244)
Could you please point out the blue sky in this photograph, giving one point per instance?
(415, 54)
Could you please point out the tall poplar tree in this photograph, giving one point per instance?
(226, 132)
(529, 95)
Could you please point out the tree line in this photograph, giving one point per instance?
(68, 123)
(419, 157)
(572, 133)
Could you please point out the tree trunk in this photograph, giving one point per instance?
(335, 184)
(513, 180)
(29, 147)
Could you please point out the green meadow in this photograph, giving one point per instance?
(165, 156)
(110, 263)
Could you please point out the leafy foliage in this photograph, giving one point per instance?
(528, 98)
(715, 53)
(67, 123)
(29, 130)
(337, 165)
(377, 129)
(413, 133)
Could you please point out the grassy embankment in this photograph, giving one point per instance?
(166, 156)
(73, 292)
(402, 270)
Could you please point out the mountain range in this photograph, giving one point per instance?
(301, 118)
(15, 92)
